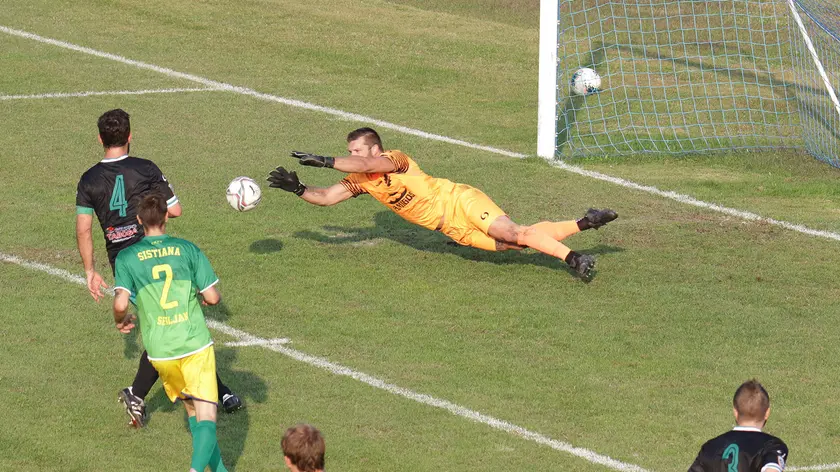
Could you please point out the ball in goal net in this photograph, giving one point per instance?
(686, 76)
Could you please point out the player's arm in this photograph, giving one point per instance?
(326, 196)
(160, 184)
(84, 241)
(122, 295)
(174, 211)
(349, 164)
(321, 196)
(123, 320)
(775, 458)
(211, 296)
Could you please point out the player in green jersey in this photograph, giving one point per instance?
(167, 275)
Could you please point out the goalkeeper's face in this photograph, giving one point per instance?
(360, 147)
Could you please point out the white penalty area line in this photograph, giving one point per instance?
(41, 96)
(686, 199)
(255, 342)
(277, 345)
(834, 466)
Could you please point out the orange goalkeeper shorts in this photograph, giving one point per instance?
(468, 218)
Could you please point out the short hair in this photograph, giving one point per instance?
(370, 135)
(114, 128)
(152, 210)
(751, 401)
(304, 445)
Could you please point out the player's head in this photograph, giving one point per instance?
(303, 449)
(114, 128)
(151, 211)
(751, 404)
(364, 142)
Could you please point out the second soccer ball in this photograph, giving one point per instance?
(243, 194)
(585, 81)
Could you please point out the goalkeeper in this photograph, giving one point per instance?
(459, 211)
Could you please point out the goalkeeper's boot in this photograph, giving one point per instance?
(134, 406)
(583, 265)
(231, 403)
(594, 219)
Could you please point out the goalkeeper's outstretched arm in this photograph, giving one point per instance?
(326, 196)
(351, 164)
(321, 196)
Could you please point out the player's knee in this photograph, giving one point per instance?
(521, 233)
(508, 233)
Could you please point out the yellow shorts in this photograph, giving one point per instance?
(469, 216)
(192, 377)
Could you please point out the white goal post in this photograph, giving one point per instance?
(687, 76)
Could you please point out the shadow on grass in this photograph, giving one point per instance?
(266, 246)
(749, 76)
(388, 225)
(232, 427)
(131, 345)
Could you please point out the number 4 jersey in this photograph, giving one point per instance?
(110, 189)
(165, 274)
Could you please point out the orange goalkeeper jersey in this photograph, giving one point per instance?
(408, 191)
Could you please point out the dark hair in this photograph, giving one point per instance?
(370, 135)
(751, 401)
(114, 128)
(152, 210)
(304, 446)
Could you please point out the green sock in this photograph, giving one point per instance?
(193, 423)
(216, 460)
(204, 443)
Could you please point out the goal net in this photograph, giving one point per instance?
(685, 76)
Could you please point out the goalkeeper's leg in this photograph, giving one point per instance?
(593, 219)
(505, 230)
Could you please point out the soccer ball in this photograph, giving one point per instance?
(243, 193)
(585, 81)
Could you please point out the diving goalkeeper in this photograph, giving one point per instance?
(460, 211)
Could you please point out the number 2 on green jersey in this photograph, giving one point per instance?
(118, 201)
(167, 283)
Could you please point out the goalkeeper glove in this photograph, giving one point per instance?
(313, 160)
(288, 181)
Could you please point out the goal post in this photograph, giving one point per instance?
(688, 76)
(816, 61)
(547, 106)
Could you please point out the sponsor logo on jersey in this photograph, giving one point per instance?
(484, 215)
(399, 200)
(120, 233)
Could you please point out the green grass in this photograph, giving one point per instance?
(640, 364)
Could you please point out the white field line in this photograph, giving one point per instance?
(42, 96)
(340, 370)
(276, 345)
(256, 342)
(686, 199)
(834, 466)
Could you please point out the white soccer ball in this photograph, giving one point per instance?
(586, 81)
(243, 194)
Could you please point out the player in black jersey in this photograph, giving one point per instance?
(746, 448)
(110, 190)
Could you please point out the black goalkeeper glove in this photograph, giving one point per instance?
(313, 160)
(288, 181)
